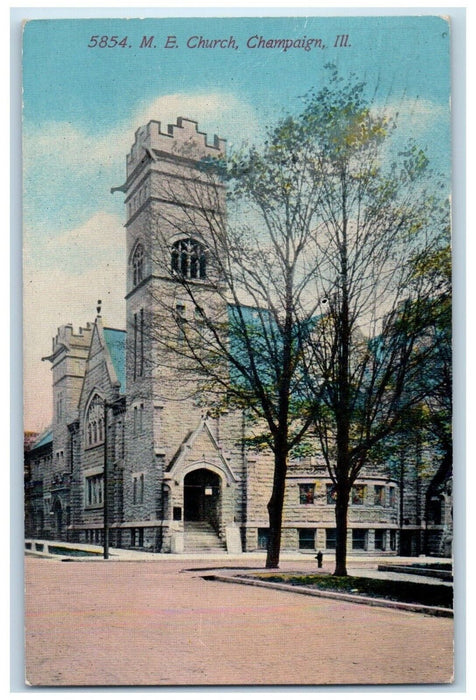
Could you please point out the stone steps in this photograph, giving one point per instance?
(201, 537)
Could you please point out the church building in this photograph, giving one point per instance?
(131, 448)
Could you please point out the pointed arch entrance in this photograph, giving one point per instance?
(202, 497)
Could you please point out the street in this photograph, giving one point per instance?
(160, 623)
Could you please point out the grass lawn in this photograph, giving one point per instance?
(401, 591)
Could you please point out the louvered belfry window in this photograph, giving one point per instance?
(189, 259)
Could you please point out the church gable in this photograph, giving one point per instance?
(100, 369)
(200, 447)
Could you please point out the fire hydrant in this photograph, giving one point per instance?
(319, 560)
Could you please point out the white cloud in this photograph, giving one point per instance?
(417, 116)
(57, 145)
(98, 241)
(94, 268)
(420, 120)
(61, 144)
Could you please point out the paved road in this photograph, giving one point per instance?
(160, 623)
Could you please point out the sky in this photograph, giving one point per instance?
(82, 105)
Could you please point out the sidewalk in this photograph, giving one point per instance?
(357, 565)
(135, 555)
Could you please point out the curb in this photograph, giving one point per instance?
(347, 597)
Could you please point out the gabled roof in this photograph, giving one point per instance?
(185, 453)
(116, 344)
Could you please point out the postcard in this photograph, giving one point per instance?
(237, 351)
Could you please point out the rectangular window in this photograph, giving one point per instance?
(331, 538)
(134, 354)
(359, 539)
(137, 536)
(434, 511)
(307, 538)
(141, 366)
(141, 417)
(138, 347)
(392, 499)
(331, 494)
(379, 495)
(138, 489)
(135, 423)
(263, 537)
(393, 540)
(380, 539)
(157, 425)
(118, 441)
(94, 490)
(358, 495)
(306, 494)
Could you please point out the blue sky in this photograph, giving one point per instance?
(82, 106)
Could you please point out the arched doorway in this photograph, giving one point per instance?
(201, 497)
(58, 514)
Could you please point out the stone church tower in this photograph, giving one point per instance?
(178, 479)
(68, 363)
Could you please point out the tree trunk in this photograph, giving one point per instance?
(342, 506)
(275, 511)
(343, 404)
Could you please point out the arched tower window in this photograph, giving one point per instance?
(95, 422)
(189, 259)
(138, 264)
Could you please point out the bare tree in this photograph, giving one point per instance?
(376, 218)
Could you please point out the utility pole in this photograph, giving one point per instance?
(402, 486)
(105, 480)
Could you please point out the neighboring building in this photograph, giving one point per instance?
(177, 478)
(38, 459)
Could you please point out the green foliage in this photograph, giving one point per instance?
(340, 118)
(401, 591)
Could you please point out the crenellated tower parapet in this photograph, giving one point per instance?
(68, 359)
(182, 139)
(67, 338)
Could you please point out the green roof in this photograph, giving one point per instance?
(43, 440)
(116, 344)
